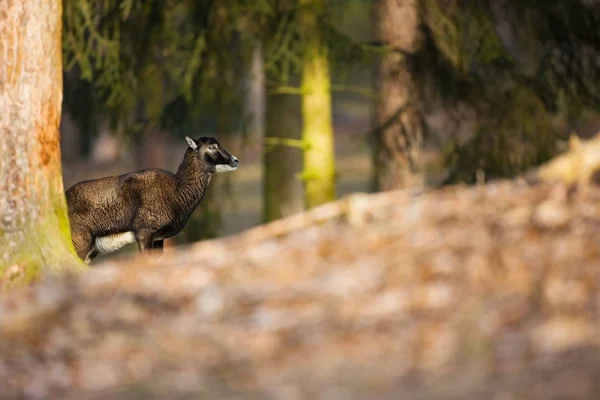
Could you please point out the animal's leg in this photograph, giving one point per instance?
(144, 239)
(157, 250)
(83, 243)
(92, 255)
(158, 246)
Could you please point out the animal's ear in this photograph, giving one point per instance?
(191, 143)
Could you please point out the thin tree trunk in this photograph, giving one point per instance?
(78, 122)
(282, 190)
(397, 122)
(317, 129)
(34, 226)
(207, 221)
(255, 97)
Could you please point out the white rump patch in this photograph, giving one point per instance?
(110, 243)
(224, 168)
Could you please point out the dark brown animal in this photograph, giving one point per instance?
(143, 207)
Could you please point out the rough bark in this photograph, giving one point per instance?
(317, 128)
(34, 227)
(283, 191)
(397, 123)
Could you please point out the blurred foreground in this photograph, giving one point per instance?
(467, 293)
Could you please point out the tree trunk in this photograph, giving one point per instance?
(255, 97)
(317, 129)
(207, 222)
(283, 192)
(34, 226)
(397, 121)
(78, 119)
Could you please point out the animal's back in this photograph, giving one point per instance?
(109, 205)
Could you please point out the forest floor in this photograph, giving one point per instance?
(486, 292)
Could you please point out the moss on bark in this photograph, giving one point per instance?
(317, 130)
(34, 226)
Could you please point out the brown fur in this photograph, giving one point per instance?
(153, 204)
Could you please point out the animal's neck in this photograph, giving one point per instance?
(193, 180)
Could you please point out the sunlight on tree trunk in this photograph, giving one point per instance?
(317, 130)
(34, 227)
(399, 131)
(283, 191)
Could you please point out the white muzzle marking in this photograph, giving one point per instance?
(224, 168)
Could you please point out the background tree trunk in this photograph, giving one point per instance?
(397, 122)
(78, 119)
(317, 129)
(34, 226)
(255, 97)
(283, 191)
(207, 220)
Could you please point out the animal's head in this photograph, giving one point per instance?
(212, 154)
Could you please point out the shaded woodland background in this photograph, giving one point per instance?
(492, 88)
(467, 273)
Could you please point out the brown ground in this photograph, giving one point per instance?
(466, 293)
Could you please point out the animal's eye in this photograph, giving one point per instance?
(213, 147)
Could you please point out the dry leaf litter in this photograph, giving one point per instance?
(462, 293)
